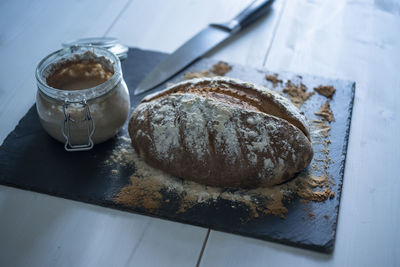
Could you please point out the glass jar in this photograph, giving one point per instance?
(82, 118)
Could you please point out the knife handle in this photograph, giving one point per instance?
(250, 14)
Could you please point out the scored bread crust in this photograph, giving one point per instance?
(222, 132)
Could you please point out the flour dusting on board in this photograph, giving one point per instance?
(150, 188)
(147, 184)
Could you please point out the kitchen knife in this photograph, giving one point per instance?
(200, 44)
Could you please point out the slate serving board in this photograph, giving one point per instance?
(30, 159)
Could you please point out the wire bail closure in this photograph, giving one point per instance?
(66, 131)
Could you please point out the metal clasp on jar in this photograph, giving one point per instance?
(67, 127)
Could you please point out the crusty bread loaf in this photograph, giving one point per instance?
(222, 132)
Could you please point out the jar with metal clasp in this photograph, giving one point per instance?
(82, 98)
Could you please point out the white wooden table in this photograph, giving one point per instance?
(350, 39)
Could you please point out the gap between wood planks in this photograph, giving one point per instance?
(203, 247)
(124, 8)
(274, 31)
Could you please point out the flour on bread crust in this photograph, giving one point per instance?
(193, 135)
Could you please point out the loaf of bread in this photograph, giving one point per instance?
(222, 132)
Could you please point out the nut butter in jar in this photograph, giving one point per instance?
(82, 98)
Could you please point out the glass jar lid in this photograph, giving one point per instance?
(110, 43)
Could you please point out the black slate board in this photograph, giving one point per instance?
(32, 160)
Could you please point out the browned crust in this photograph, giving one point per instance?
(216, 170)
(287, 151)
(235, 93)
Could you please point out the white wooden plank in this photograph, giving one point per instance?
(39, 230)
(249, 46)
(356, 40)
(232, 250)
(182, 19)
(165, 25)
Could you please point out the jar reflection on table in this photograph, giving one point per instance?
(82, 118)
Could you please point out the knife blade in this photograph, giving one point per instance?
(200, 44)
